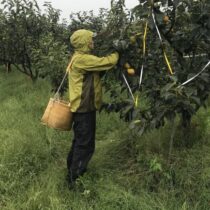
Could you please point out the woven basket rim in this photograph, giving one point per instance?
(60, 101)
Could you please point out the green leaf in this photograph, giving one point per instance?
(204, 77)
(168, 86)
(189, 91)
(196, 100)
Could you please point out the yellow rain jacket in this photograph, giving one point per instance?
(84, 81)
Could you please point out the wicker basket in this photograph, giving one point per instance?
(58, 115)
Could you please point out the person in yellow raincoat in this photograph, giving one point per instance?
(85, 93)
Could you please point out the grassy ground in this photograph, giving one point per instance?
(125, 173)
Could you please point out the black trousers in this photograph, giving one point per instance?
(83, 145)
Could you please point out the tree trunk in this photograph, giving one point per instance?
(8, 67)
(186, 119)
(186, 129)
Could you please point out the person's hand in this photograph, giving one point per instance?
(120, 45)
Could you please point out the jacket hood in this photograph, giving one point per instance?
(81, 39)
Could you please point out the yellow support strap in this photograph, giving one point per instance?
(136, 101)
(144, 52)
(168, 63)
(144, 39)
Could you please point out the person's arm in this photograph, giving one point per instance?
(94, 63)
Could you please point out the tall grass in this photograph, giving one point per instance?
(126, 172)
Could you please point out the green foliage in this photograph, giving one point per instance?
(24, 28)
(187, 48)
(53, 61)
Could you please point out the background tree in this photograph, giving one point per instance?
(186, 46)
(25, 33)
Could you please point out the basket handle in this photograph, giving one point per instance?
(67, 71)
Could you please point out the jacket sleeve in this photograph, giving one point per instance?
(94, 63)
